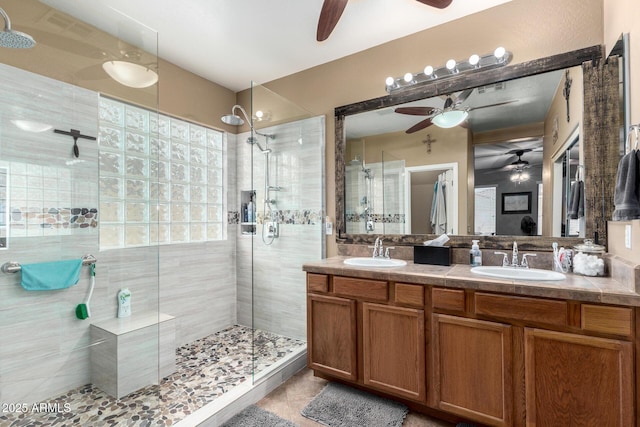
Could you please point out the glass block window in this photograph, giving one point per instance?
(161, 178)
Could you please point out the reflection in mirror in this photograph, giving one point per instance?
(4, 211)
(430, 144)
(500, 145)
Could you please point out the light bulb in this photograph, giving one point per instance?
(499, 52)
(390, 81)
(428, 70)
(259, 114)
(408, 77)
(451, 65)
(474, 60)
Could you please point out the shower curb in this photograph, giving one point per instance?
(234, 401)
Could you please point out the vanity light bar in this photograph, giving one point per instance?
(499, 58)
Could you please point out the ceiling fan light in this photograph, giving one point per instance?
(130, 74)
(449, 119)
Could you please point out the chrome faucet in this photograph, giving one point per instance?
(514, 258)
(377, 248)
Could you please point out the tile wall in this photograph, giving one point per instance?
(273, 277)
(54, 215)
(383, 197)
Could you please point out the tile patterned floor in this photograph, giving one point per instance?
(206, 369)
(288, 400)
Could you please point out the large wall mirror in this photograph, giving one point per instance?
(511, 169)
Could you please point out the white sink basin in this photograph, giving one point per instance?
(518, 273)
(375, 262)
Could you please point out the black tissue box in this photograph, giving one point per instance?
(435, 255)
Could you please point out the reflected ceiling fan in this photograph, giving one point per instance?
(518, 164)
(332, 11)
(453, 113)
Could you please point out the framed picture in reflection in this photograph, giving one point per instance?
(516, 203)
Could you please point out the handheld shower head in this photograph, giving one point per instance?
(14, 39)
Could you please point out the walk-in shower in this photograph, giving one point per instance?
(217, 317)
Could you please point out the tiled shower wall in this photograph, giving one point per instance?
(272, 279)
(45, 349)
(385, 198)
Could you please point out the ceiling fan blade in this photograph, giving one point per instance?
(439, 4)
(420, 125)
(494, 105)
(463, 96)
(416, 111)
(329, 17)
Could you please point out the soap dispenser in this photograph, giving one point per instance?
(475, 255)
(124, 303)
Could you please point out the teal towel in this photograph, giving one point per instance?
(49, 276)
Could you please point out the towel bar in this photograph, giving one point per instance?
(14, 267)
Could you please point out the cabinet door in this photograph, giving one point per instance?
(576, 380)
(472, 372)
(394, 350)
(331, 335)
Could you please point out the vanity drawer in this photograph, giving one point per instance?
(608, 320)
(377, 290)
(448, 299)
(412, 295)
(551, 312)
(317, 282)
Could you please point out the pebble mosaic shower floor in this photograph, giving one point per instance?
(206, 369)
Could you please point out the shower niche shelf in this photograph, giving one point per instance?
(247, 215)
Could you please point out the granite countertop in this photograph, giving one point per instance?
(606, 290)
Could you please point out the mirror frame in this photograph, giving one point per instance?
(436, 88)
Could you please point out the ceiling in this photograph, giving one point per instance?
(235, 42)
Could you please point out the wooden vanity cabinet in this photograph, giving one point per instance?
(368, 331)
(577, 380)
(472, 369)
(491, 358)
(393, 350)
(331, 336)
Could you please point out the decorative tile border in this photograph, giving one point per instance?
(293, 217)
(53, 217)
(386, 219)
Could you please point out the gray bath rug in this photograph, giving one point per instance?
(338, 405)
(254, 416)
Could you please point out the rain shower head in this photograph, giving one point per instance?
(14, 39)
(235, 120)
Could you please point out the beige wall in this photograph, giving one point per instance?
(65, 57)
(528, 28)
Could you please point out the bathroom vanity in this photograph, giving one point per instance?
(493, 351)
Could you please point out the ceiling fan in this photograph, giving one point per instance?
(332, 10)
(518, 164)
(452, 114)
